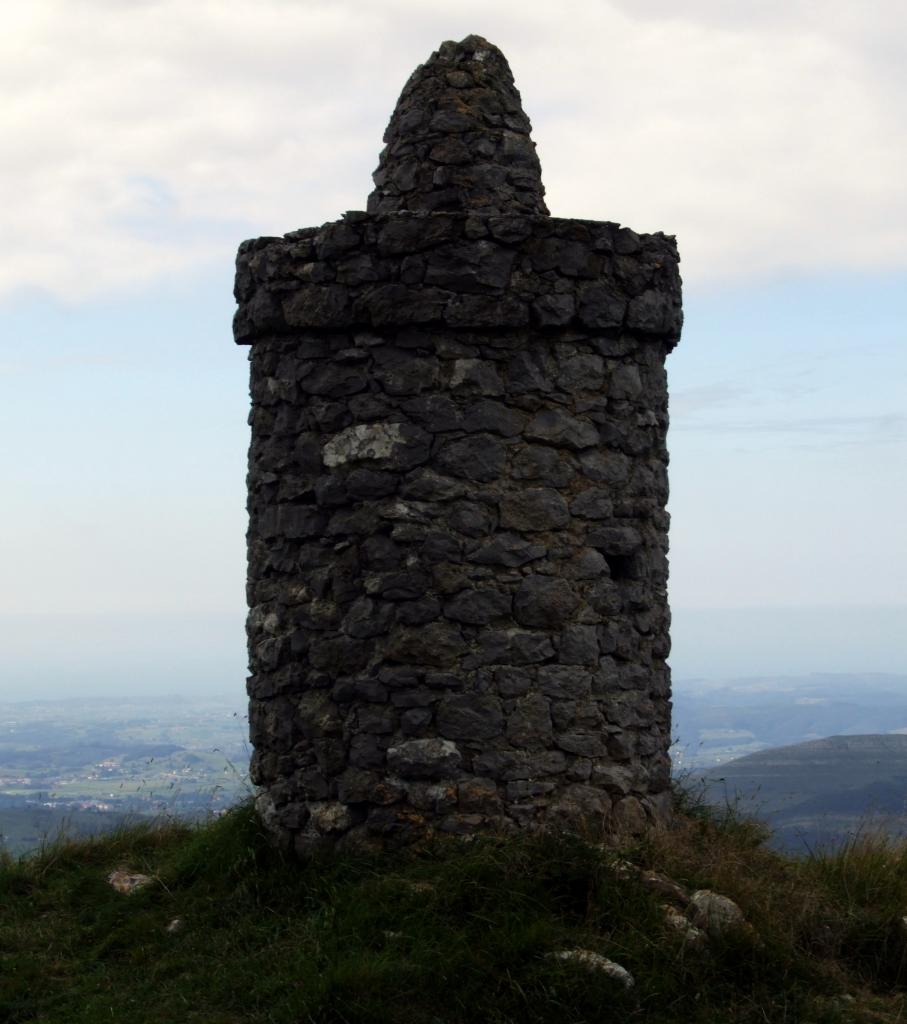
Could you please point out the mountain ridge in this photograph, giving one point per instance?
(820, 791)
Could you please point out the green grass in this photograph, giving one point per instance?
(452, 932)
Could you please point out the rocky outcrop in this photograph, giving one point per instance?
(457, 487)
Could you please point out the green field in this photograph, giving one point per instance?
(85, 765)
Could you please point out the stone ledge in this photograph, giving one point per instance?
(460, 271)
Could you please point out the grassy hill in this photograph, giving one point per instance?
(450, 933)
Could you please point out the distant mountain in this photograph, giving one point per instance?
(818, 792)
(715, 721)
(77, 756)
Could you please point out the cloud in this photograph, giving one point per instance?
(886, 424)
(807, 432)
(688, 401)
(144, 139)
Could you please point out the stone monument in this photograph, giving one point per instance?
(457, 485)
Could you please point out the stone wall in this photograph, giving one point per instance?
(457, 482)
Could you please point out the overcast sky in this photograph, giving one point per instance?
(144, 140)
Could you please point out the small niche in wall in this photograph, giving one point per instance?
(623, 567)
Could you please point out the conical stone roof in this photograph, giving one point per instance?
(458, 140)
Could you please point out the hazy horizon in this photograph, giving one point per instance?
(56, 656)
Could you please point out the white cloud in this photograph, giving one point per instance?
(146, 138)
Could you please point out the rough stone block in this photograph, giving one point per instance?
(424, 759)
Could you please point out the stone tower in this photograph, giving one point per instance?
(457, 488)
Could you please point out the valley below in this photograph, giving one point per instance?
(86, 766)
(818, 758)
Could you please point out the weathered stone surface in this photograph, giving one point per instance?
(478, 607)
(424, 759)
(470, 716)
(629, 817)
(554, 426)
(367, 618)
(615, 540)
(437, 644)
(534, 509)
(591, 961)
(529, 724)
(127, 882)
(579, 646)
(544, 601)
(457, 479)
(506, 549)
(549, 466)
(459, 110)
(508, 765)
(678, 923)
(329, 817)
(565, 683)
(426, 485)
(479, 797)
(595, 503)
(713, 913)
(581, 806)
(582, 743)
(658, 883)
(372, 441)
(357, 786)
(605, 466)
(479, 458)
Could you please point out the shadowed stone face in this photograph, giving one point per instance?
(459, 141)
(457, 479)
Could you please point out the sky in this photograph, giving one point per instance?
(146, 138)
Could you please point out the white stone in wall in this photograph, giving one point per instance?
(462, 369)
(362, 441)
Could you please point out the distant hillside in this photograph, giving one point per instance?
(28, 828)
(85, 766)
(820, 791)
(714, 722)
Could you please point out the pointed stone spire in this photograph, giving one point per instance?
(458, 140)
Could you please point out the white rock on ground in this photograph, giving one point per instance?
(658, 883)
(714, 913)
(622, 868)
(692, 935)
(595, 962)
(654, 881)
(128, 881)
